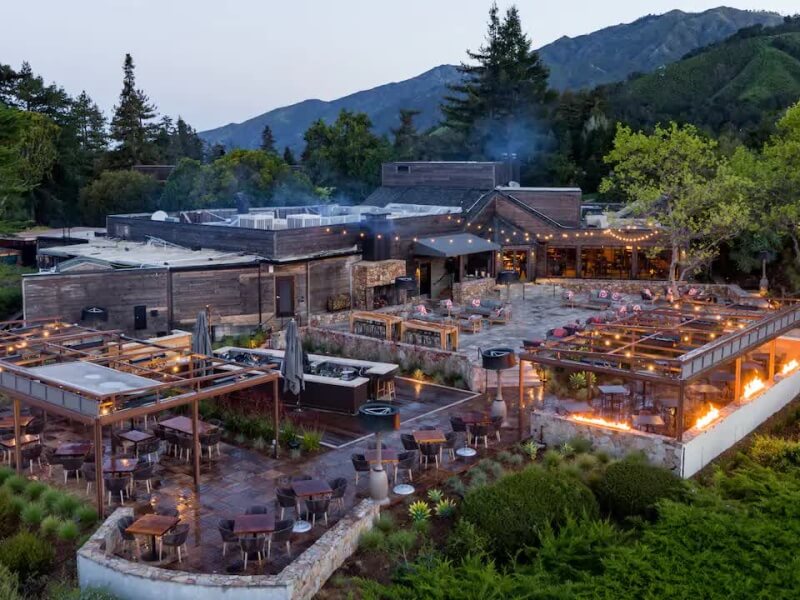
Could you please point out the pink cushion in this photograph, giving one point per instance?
(559, 332)
(603, 294)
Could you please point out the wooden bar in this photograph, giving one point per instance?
(448, 334)
(389, 324)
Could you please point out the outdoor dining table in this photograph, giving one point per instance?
(24, 440)
(73, 449)
(119, 465)
(153, 526)
(476, 417)
(308, 488)
(613, 397)
(136, 436)
(184, 425)
(429, 436)
(388, 455)
(648, 422)
(254, 524)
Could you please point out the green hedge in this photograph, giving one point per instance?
(513, 512)
(631, 488)
(27, 555)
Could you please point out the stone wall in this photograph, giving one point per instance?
(474, 288)
(362, 347)
(371, 274)
(633, 287)
(300, 580)
(553, 430)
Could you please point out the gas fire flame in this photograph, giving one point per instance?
(600, 421)
(708, 418)
(753, 387)
(789, 367)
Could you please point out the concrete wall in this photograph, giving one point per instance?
(736, 422)
(301, 580)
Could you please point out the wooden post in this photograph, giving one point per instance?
(17, 446)
(679, 416)
(98, 468)
(196, 441)
(276, 416)
(737, 385)
(521, 400)
(772, 347)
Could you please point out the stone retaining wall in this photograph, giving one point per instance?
(362, 347)
(465, 291)
(553, 430)
(300, 580)
(633, 287)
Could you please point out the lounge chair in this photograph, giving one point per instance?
(495, 311)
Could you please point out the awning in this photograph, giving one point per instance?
(458, 244)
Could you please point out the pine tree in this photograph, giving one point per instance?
(90, 125)
(217, 151)
(406, 137)
(288, 156)
(267, 140)
(189, 143)
(501, 103)
(131, 125)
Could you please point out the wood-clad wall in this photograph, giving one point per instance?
(562, 205)
(460, 175)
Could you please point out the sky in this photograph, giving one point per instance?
(219, 61)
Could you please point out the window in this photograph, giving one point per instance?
(404, 168)
(140, 317)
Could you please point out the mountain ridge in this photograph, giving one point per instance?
(575, 62)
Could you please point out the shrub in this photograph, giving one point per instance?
(15, 484)
(492, 468)
(385, 523)
(9, 514)
(288, 433)
(419, 511)
(26, 554)
(372, 540)
(311, 440)
(516, 460)
(775, 452)
(401, 542)
(632, 488)
(66, 506)
(586, 462)
(5, 473)
(511, 512)
(552, 459)
(435, 495)
(477, 479)
(566, 450)
(85, 515)
(504, 457)
(465, 539)
(531, 449)
(64, 592)
(50, 498)
(34, 490)
(32, 515)
(445, 508)
(9, 584)
(581, 445)
(49, 526)
(602, 457)
(455, 486)
(68, 531)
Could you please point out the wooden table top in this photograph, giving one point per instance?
(136, 436)
(613, 390)
(73, 449)
(474, 417)
(253, 524)
(311, 487)
(429, 436)
(152, 525)
(704, 388)
(388, 455)
(8, 422)
(184, 425)
(23, 439)
(120, 465)
(648, 420)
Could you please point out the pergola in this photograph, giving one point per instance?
(673, 345)
(100, 378)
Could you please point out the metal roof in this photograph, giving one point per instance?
(457, 244)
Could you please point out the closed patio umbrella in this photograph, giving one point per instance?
(292, 365)
(201, 341)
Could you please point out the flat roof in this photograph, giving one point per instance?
(148, 254)
(35, 233)
(93, 378)
(457, 244)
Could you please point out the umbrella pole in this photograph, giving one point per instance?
(276, 417)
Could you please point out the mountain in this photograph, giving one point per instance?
(607, 55)
(741, 83)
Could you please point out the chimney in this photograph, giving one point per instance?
(242, 203)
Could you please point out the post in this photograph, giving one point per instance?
(772, 347)
(679, 416)
(276, 414)
(17, 446)
(196, 441)
(99, 483)
(737, 385)
(520, 400)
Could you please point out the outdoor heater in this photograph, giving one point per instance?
(377, 417)
(497, 360)
(506, 278)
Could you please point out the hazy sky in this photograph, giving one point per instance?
(217, 61)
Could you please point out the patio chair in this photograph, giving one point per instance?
(31, 454)
(480, 431)
(173, 442)
(215, 423)
(495, 426)
(167, 511)
(143, 473)
(431, 451)
(127, 538)
(318, 507)
(286, 499)
(50, 459)
(408, 441)
(185, 446)
(225, 527)
(360, 464)
(175, 539)
(256, 509)
(450, 444)
(406, 461)
(114, 486)
(281, 535)
(209, 442)
(89, 474)
(248, 545)
(148, 449)
(339, 487)
(458, 426)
